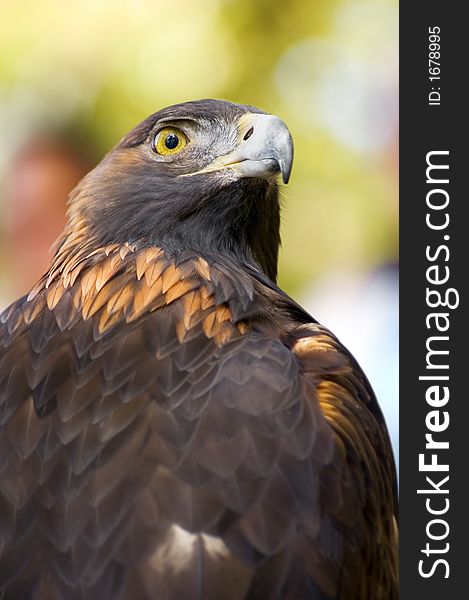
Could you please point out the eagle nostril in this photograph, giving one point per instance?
(248, 133)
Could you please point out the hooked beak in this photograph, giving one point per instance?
(265, 149)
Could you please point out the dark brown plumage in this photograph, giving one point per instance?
(172, 424)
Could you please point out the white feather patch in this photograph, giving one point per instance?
(176, 552)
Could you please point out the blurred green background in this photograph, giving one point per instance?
(328, 68)
(83, 73)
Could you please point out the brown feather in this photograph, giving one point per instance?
(148, 409)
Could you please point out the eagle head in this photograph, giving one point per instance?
(198, 176)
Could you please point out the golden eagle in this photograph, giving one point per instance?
(173, 425)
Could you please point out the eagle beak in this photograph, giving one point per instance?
(265, 150)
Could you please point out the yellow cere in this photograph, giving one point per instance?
(169, 140)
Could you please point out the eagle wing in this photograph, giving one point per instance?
(163, 437)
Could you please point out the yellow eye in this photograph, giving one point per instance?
(169, 140)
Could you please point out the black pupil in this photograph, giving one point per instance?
(171, 141)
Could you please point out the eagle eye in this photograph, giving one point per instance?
(169, 140)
